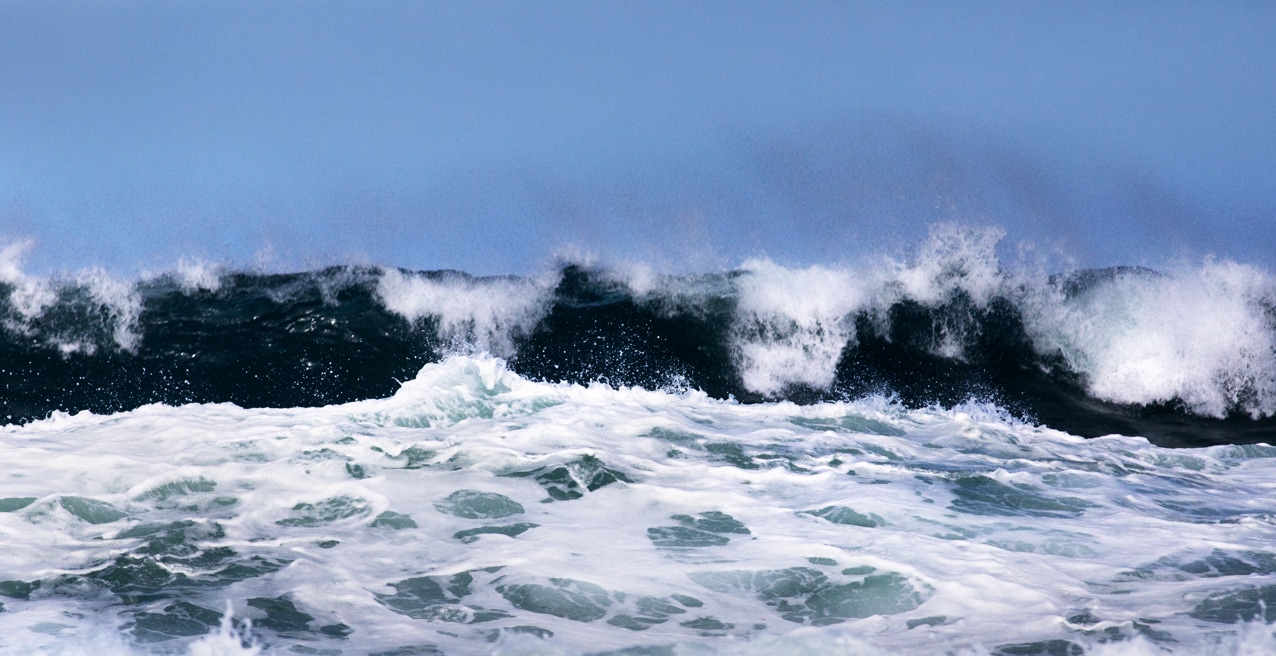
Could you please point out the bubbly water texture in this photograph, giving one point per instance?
(878, 458)
(476, 511)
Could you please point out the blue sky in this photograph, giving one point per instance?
(489, 136)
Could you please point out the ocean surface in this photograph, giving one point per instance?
(942, 453)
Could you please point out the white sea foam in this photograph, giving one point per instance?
(226, 640)
(473, 314)
(971, 531)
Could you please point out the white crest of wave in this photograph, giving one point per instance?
(30, 295)
(473, 314)
(197, 275)
(953, 258)
(791, 325)
(191, 275)
(1202, 335)
(117, 301)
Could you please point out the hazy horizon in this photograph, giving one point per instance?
(490, 137)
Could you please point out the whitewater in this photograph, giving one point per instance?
(949, 452)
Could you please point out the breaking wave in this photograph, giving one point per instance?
(1185, 356)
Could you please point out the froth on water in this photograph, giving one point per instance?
(1185, 355)
(478, 511)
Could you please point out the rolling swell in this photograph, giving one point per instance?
(334, 336)
(256, 341)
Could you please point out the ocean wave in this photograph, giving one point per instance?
(478, 511)
(1184, 356)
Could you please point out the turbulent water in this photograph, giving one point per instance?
(945, 453)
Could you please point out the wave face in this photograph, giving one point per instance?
(1183, 358)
